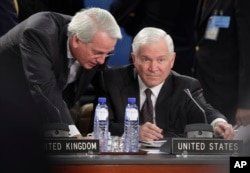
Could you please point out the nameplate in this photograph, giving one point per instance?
(67, 145)
(206, 146)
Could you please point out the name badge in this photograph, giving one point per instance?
(214, 24)
(221, 21)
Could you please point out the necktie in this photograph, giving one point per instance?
(74, 67)
(147, 108)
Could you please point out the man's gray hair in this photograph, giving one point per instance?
(150, 35)
(87, 22)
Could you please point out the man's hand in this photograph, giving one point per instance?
(79, 136)
(224, 129)
(149, 132)
(242, 117)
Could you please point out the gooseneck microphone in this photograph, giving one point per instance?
(187, 91)
(198, 130)
(48, 102)
(54, 126)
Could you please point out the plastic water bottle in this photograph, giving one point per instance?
(101, 124)
(131, 127)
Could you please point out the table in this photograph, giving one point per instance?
(150, 163)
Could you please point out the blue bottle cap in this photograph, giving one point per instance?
(102, 100)
(131, 100)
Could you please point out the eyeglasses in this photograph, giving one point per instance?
(99, 53)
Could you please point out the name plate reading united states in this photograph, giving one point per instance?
(205, 146)
(67, 145)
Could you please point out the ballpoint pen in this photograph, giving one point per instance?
(235, 127)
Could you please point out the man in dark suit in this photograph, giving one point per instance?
(8, 16)
(49, 59)
(223, 56)
(29, 7)
(153, 57)
(175, 17)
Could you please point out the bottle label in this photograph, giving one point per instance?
(102, 114)
(132, 114)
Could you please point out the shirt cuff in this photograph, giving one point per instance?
(216, 121)
(73, 131)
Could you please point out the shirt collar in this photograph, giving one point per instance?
(155, 90)
(70, 56)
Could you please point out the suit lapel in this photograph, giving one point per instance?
(131, 87)
(131, 90)
(62, 65)
(206, 9)
(162, 102)
(198, 13)
(84, 78)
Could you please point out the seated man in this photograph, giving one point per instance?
(164, 106)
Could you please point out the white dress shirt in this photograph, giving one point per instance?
(73, 65)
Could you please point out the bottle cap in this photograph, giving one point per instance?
(131, 100)
(102, 100)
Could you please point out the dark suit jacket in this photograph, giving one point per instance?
(176, 17)
(8, 16)
(173, 109)
(223, 65)
(37, 48)
(29, 7)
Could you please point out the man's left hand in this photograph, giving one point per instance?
(224, 129)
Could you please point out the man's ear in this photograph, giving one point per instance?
(133, 57)
(74, 41)
(172, 59)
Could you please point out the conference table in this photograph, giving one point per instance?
(148, 163)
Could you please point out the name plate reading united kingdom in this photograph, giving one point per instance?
(206, 146)
(66, 146)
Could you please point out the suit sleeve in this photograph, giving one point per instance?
(194, 112)
(242, 14)
(39, 72)
(8, 16)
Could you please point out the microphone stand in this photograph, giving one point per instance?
(198, 130)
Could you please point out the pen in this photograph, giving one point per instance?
(236, 126)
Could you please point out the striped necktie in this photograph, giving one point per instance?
(147, 108)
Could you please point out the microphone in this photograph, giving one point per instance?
(198, 130)
(187, 91)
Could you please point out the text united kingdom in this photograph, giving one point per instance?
(71, 146)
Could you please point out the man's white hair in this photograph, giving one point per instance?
(87, 22)
(151, 35)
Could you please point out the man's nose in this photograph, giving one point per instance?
(101, 59)
(153, 66)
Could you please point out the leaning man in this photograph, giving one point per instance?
(48, 60)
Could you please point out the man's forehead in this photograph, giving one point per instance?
(101, 41)
(161, 45)
(149, 51)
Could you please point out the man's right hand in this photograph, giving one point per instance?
(242, 117)
(150, 132)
